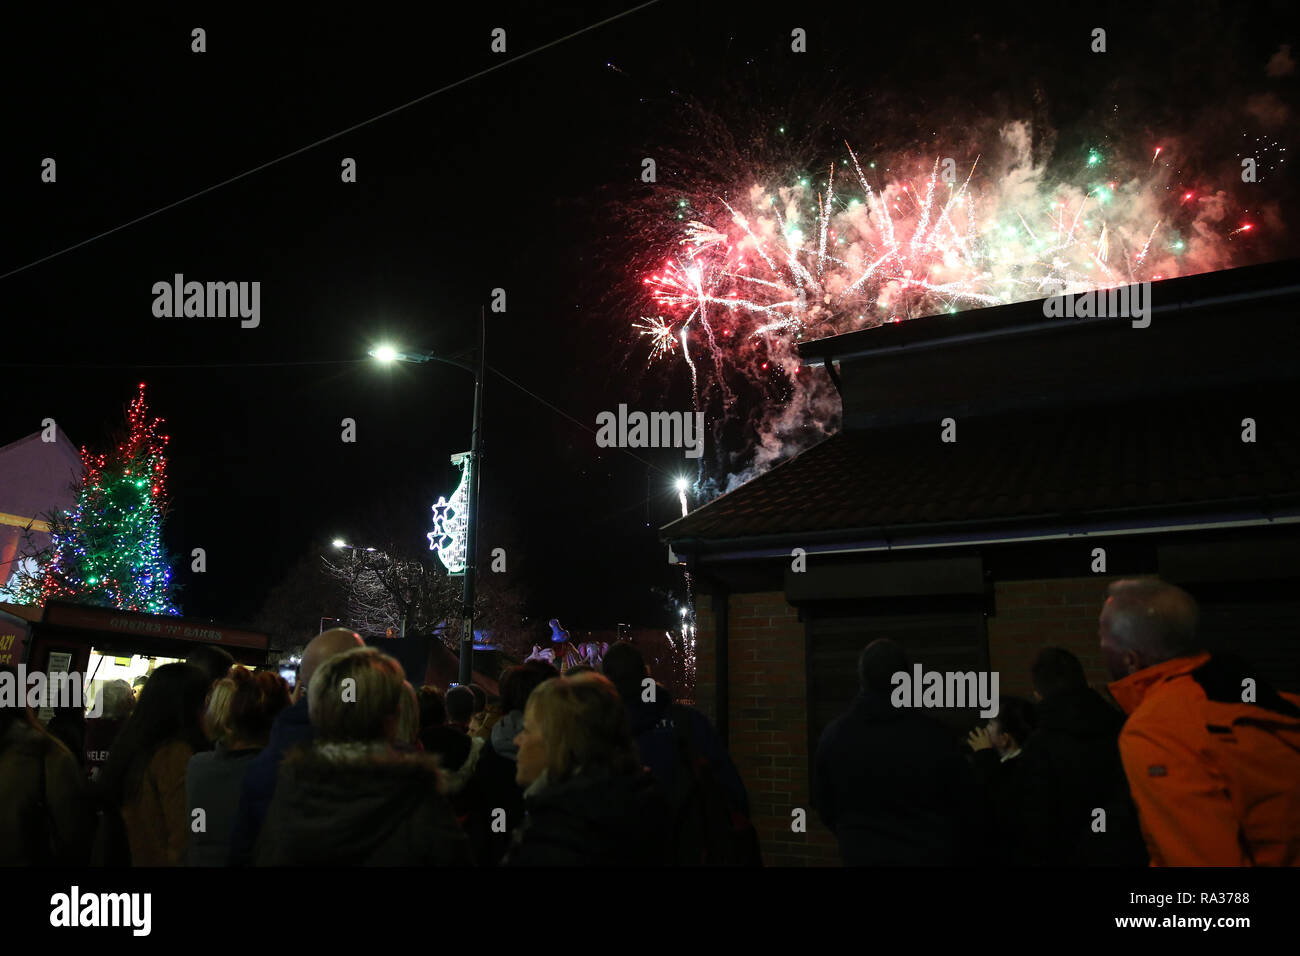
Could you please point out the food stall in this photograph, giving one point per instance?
(102, 644)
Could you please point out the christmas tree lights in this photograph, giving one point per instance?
(108, 550)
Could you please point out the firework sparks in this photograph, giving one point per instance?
(785, 266)
(756, 265)
(663, 339)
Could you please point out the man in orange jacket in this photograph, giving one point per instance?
(1212, 754)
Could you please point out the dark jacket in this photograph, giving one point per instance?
(895, 789)
(100, 732)
(352, 805)
(1071, 767)
(46, 813)
(213, 782)
(450, 745)
(292, 729)
(492, 787)
(68, 726)
(653, 727)
(1004, 787)
(596, 819)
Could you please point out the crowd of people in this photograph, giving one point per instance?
(212, 764)
(218, 765)
(1198, 766)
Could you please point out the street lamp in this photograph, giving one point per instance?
(388, 354)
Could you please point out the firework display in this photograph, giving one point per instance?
(758, 266)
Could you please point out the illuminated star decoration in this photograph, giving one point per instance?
(450, 524)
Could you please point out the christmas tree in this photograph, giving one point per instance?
(108, 550)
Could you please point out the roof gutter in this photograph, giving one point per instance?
(834, 542)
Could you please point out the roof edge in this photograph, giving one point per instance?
(952, 535)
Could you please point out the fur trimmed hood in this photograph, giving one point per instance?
(359, 803)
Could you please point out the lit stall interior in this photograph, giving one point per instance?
(106, 667)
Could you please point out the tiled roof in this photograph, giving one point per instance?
(1069, 465)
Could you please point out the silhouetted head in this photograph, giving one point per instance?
(1015, 721)
(879, 662)
(170, 709)
(517, 683)
(322, 647)
(625, 666)
(460, 704)
(433, 711)
(1057, 671)
(215, 662)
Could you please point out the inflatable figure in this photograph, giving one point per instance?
(539, 654)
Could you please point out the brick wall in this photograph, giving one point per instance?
(768, 712)
(768, 690)
(1035, 614)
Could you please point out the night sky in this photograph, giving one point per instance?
(519, 179)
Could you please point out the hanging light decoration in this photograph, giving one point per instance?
(451, 524)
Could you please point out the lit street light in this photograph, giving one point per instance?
(389, 354)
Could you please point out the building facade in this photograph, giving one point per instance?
(36, 477)
(993, 472)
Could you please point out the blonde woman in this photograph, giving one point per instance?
(217, 710)
(356, 797)
(240, 711)
(589, 800)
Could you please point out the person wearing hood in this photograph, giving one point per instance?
(589, 801)
(354, 798)
(1071, 768)
(652, 716)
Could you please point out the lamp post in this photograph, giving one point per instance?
(477, 368)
